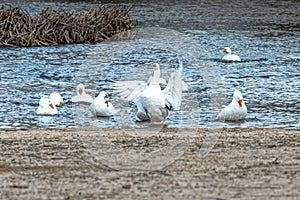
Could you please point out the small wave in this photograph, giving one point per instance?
(242, 60)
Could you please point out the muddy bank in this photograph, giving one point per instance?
(60, 164)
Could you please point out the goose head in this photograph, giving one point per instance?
(56, 98)
(156, 73)
(238, 97)
(104, 96)
(156, 66)
(80, 89)
(227, 50)
(45, 101)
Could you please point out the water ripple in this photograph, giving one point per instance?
(268, 76)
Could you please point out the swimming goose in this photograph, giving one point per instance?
(56, 98)
(101, 106)
(236, 110)
(81, 96)
(153, 103)
(229, 56)
(46, 107)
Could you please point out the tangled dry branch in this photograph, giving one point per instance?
(54, 27)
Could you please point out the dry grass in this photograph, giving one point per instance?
(54, 27)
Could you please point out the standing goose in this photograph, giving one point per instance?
(81, 96)
(229, 56)
(236, 110)
(101, 106)
(153, 104)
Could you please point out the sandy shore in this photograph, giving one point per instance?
(192, 164)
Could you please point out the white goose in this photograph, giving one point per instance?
(229, 56)
(130, 88)
(46, 107)
(153, 103)
(236, 110)
(101, 106)
(81, 96)
(56, 98)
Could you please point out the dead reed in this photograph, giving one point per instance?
(54, 27)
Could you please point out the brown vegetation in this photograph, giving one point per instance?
(54, 27)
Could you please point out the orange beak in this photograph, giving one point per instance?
(240, 103)
(51, 105)
(155, 65)
(225, 51)
(80, 91)
(60, 103)
(106, 102)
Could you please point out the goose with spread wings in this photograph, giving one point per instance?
(152, 102)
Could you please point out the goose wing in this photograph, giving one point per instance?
(173, 91)
(129, 90)
(174, 88)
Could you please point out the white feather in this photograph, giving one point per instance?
(101, 106)
(81, 95)
(234, 111)
(152, 102)
(46, 107)
(229, 56)
(56, 98)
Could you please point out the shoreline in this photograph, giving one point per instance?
(241, 163)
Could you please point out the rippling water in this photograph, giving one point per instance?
(265, 35)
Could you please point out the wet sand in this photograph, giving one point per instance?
(60, 164)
